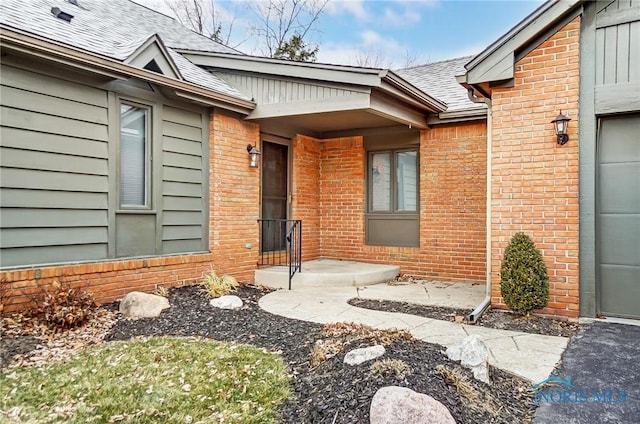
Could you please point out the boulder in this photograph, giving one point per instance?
(358, 356)
(142, 305)
(399, 405)
(473, 354)
(227, 302)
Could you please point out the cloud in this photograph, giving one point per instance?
(371, 50)
(408, 16)
(353, 7)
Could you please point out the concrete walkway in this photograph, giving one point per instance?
(528, 355)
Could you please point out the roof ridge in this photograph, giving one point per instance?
(178, 22)
(437, 62)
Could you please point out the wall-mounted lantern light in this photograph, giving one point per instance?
(561, 123)
(253, 155)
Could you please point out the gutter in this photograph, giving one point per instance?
(486, 302)
(34, 45)
(403, 85)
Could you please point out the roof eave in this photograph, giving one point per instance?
(22, 41)
(495, 62)
(384, 80)
(284, 68)
(411, 93)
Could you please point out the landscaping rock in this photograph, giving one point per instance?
(142, 305)
(399, 405)
(227, 302)
(358, 356)
(473, 354)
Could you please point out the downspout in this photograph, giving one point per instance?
(486, 302)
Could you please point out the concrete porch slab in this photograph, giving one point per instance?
(327, 273)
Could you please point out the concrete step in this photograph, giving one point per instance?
(327, 273)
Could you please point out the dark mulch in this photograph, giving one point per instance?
(11, 346)
(491, 318)
(335, 392)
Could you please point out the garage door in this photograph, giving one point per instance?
(618, 228)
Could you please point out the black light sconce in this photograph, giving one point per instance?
(561, 123)
(253, 155)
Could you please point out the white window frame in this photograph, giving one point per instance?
(148, 183)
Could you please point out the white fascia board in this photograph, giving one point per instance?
(154, 49)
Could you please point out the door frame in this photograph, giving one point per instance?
(276, 139)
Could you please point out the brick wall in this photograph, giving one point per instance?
(535, 180)
(453, 201)
(452, 211)
(306, 192)
(234, 200)
(106, 281)
(342, 188)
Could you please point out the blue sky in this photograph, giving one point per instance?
(392, 33)
(430, 30)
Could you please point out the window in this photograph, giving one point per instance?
(392, 212)
(394, 181)
(134, 156)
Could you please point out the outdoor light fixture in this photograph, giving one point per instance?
(253, 155)
(561, 123)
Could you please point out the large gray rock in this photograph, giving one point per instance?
(473, 354)
(358, 356)
(227, 302)
(399, 405)
(142, 305)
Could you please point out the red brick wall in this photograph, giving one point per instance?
(452, 210)
(342, 188)
(306, 193)
(453, 202)
(106, 281)
(535, 180)
(234, 200)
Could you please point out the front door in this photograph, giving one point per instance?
(275, 184)
(618, 220)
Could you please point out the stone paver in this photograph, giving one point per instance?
(530, 356)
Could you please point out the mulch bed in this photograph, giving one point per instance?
(491, 318)
(334, 392)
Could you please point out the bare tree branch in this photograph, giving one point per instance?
(203, 17)
(281, 20)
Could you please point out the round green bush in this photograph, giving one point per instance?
(523, 276)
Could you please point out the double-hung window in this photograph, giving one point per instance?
(134, 156)
(392, 210)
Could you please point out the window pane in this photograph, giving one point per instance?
(381, 182)
(133, 156)
(407, 181)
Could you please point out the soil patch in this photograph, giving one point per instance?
(18, 345)
(492, 318)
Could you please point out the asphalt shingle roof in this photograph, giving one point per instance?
(438, 79)
(115, 29)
